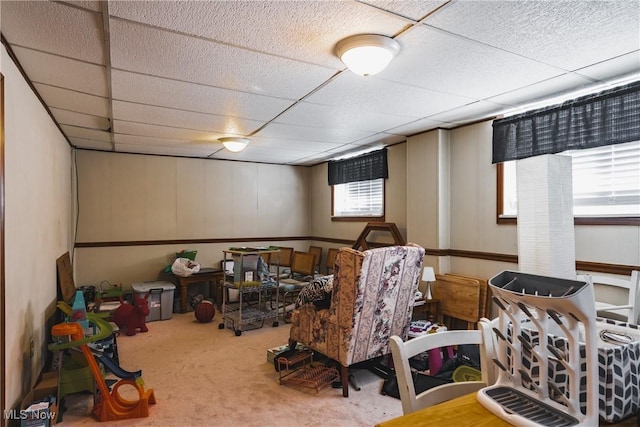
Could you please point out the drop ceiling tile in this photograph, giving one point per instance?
(412, 9)
(311, 134)
(177, 151)
(301, 145)
(92, 5)
(167, 132)
(63, 99)
(384, 97)
(621, 66)
(65, 117)
(149, 114)
(63, 72)
(316, 115)
(348, 150)
(91, 134)
(380, 139)
(441, 72)
(301, 30)
(90, 144)
(253, 154)
(206, 147)
(469, 113)
(454, 65)
(54, 28)
(192, 97)
(540, 91)
(567, 34)
(418, 126)
(161, 53)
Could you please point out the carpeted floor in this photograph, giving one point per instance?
(203, 376)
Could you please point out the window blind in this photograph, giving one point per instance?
(606, 118)
(361, 198)
(606, 182)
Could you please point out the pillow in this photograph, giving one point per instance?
(317, 291)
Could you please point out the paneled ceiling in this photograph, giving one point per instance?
(171, 77)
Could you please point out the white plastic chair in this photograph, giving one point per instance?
(403, 351)
(629, 312)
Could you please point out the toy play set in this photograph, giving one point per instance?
(72, 335)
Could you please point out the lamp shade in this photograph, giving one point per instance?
(234, 144)
(367, 54)
(428, 275)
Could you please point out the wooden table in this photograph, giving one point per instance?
(210, 276)
(462, 411)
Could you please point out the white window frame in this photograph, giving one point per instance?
(369, 203)
(600, 174)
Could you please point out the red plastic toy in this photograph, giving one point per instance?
(131, 317)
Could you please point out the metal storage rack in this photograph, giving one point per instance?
(246, 313)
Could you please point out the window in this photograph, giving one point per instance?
(606, 185)
(360, 199)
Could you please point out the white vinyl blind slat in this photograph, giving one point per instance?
(362, 198)
(606, 181)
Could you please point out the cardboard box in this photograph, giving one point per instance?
(47, 414)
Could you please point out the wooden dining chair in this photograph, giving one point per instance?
(302, 272)
(331, 260)
(317, 251)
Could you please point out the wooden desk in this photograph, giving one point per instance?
(462, 411)
(210, 277)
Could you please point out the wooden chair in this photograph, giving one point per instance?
(284, 259)
(302, 272)
(604, 286)
(331, 260)
(402, 351)
(317, 251)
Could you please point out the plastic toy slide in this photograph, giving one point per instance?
(110, 405)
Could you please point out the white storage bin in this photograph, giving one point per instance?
(160, 298)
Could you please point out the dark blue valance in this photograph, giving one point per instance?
(605, 118)
(362, 168)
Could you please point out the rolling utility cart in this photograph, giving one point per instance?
(247, 295)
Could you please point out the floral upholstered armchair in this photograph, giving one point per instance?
(371, 299)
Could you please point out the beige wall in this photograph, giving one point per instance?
(473, 203)
(128, 197)
(37, 227)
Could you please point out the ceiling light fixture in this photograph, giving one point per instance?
(367, 54)
(234, 143)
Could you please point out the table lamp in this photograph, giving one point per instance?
(428, 276)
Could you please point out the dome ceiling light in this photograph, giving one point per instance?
(367, 54)
(234, 144)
